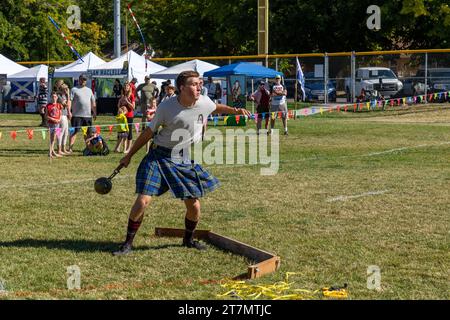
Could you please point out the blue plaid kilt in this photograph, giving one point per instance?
(158, 173)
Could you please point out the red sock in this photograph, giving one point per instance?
(190, 228)
(133, 227)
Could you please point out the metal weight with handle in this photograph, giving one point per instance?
(104, 185)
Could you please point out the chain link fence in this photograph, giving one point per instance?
(356, 76)
(347, 77)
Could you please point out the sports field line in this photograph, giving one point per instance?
(367, 194)
(372, 154)
(395, 150)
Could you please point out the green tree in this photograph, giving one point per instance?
(211, 28)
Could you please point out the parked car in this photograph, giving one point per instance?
(314, 89)
(438, 80)
(383, 80)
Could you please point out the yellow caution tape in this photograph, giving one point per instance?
(278, 291)
(339, 293)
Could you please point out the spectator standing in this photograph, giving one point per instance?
(122, 129)
(147, 91)
(83, 108)
(127, 100)
(150, 114)
(218, 93)
(133, 87)
(203, 90)
(211, 87)
(163, 89)
(7, 97)
(117, 89)
(66, 115)
(279, 104)
(156, 93)
(170, 93)
(262, 99)
(53, 118)
(42, 100)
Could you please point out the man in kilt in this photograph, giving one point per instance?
(167, 165)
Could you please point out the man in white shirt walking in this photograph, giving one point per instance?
(279, 104)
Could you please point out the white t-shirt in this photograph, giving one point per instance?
(181, 126)
(278, 100)
(82, 100)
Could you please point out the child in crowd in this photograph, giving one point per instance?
(94, 144)
(151, 110)
(53, 118)
(122, 129)
(64, 99)
(149, 115)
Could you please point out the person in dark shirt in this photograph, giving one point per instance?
(117, 89)
(42, 101)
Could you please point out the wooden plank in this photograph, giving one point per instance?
(240, 248)
(179, 233)
(263, 268)
(266, 262)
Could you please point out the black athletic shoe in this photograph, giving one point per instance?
(194, 244)
(124, 249)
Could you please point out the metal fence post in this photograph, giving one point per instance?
(426, 77)
(353, 71)
(325, 78)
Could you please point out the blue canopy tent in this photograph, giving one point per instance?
(248, 69)
(237, 75)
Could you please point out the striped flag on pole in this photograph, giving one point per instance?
(146, 49)
(65, 38)
(301, 78)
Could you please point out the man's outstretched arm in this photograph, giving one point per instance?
(223, 109)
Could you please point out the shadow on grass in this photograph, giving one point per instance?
(20, 127)
(78, 245)
(16, 152)
(10, 153)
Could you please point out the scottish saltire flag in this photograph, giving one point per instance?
(301, 78)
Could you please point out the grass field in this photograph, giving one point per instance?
(353, 190)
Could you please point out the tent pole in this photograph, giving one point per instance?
(253, 102)
(295, 97)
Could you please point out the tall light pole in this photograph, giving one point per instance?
(117, 47)
(263, 28)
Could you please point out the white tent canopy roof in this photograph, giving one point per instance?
(76, 68)
(9, 67)
(195, 65)
(32, 74)
(136, 68)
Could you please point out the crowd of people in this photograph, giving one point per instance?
(78, 107)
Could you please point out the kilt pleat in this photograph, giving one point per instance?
(158, 173)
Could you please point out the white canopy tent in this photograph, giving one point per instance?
(128, 66)
(32, 74)
(76, 68)
(26, 82)
(195, 65)
(24, 86)
(9, 67)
